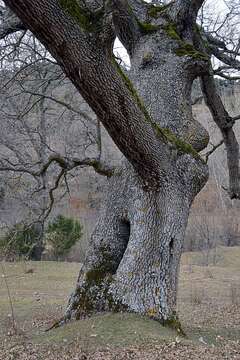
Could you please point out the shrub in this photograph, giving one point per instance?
(20, 240)
(62, 233)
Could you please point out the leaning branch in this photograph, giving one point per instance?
(197, 100)
(46, 212)
(215, 41)
(226, 59)
(214, 148)
(83, 48)
(226, 76)
(235, 118)
(225, 123)
(65, 163)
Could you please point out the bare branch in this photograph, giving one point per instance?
(64, 162)
(214, 148)
(47, 211)
(83, 114)
(235, 118)
(226, 59)
(196, 100)
(227, 77)
(215, 41)
(225, 124)
(87, 64)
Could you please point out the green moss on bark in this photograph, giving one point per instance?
(147, 58)
(174, 323)
(157, 10)
(147, 27)
(87, 20)
(95, 276)
(180, 145)
(94, 295)
(133, 91)
(171, 31)
(186, 49)
(164, 134)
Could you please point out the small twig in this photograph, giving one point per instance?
(235, 118)
(195, 101)
(214, 147)
(4, 276)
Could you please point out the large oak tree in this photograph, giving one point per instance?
(133, 259)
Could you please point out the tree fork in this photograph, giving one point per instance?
(134, 255)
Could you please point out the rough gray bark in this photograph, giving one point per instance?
(133, 258)
(10, 23)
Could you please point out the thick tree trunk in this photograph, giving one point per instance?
(133, 259)
(134, 255)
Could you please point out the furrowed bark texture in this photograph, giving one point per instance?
(10, 24)
(133, 259)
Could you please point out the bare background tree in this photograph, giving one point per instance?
(44, 128)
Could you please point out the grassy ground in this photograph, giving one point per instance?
(209, 308)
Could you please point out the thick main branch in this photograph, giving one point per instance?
(86, 58)
(185, 12)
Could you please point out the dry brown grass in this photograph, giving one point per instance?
(208, 308)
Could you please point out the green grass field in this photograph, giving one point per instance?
(209, 309)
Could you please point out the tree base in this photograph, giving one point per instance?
(173, 323)
(95, 296)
